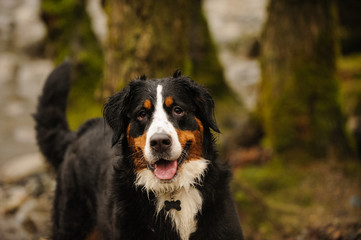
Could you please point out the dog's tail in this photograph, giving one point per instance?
(52, 130)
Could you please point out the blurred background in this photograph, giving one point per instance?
(285, 76)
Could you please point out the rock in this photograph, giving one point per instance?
(8, 62)
(24, 211)
(6, 23)
(14, 109)
(29, 29)
(98, 19)
(24, 134)
(16, 197)
(31, 78)
(19, 168)
(236, 26)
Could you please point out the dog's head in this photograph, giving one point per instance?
(163, 121)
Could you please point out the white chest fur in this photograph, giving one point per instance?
(183, 189)
(184, 221)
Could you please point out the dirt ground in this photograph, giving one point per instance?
(318, 200)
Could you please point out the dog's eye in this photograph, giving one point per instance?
(142, 115)
(178, 111)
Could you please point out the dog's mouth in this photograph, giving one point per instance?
(166, 170)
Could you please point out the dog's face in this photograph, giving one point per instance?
(163, 122)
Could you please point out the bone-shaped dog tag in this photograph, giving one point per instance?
(172, 205)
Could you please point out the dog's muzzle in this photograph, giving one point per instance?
(165, 168)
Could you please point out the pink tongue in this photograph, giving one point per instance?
(165, 170)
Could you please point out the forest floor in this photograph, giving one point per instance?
(315, 200)
(319, 200)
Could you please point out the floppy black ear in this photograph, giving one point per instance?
(115, 113)
(205, 105)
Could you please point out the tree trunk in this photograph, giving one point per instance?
(145, 37)
(157, 37)
(299, 102)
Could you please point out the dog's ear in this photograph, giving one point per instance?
(204, 103)
(115, 113)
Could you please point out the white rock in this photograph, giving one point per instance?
(29, 29)
(24, 134)
(98, 19)
(19, 168)
(237, 22)
(17, 196)
(8, 62)
(14, 109)
(31, 78)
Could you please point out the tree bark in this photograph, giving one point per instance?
(145, 37)
(299, 102)
(157, 37)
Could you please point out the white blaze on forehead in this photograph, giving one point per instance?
(161, 124)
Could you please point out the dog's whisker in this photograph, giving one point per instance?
(135, 153)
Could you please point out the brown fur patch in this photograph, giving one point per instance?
(94, 235)
(196, 137)
(168, 101)
(137, 145)
(147, 104)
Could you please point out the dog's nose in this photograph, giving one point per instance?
(160, 142)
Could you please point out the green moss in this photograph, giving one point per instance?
(350, 74)
(70, 37)
(270, 178)
(269, 198)
(350, 64)
(306, 111)
(300, 101)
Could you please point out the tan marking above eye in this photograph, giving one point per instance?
(147, 104)
(168, 101)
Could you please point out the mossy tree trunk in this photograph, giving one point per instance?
(157, 37)
(145, 37)
(299, 102)
(70, 37)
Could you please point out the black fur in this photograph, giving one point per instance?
(95, 196)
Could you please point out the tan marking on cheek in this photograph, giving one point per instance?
(138, 149)
(137, 146)
(147, 104)
(196, 136)
(200, 125)
(195, 150)
(168, 101)
(94, 235)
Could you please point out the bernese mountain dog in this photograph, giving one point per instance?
(147, 170)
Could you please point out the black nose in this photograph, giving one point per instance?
(160, 142)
